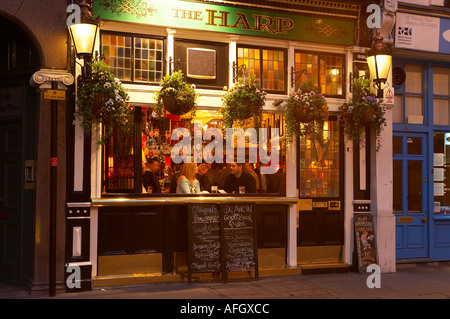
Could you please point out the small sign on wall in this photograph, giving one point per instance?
(389, 96)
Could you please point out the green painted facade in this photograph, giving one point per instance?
(219, 18)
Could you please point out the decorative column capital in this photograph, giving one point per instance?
(44, 77)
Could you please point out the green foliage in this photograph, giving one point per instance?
(102, 99)
(305, 111)
(243, 101)
(173, 85)
(362, 110)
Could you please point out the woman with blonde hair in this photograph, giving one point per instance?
(187, 182)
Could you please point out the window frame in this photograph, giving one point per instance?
(401, 90)
(260, 80)
(325, 54)
(133, 36)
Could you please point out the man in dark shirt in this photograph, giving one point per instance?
(208, 177)
(239, 177)
(150, 178)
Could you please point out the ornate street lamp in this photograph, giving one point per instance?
(379, 59)
(84, 34)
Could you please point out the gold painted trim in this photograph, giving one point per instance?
(108, 202)
(405, 220)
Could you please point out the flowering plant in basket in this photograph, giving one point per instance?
(361, 111)
(175, 96)
(305, 110)
(102, 99)
(244, 100)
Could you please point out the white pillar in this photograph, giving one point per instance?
(382, 198)
(291, 183)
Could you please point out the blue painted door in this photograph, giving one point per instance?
(411, 195)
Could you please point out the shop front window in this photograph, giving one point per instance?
(441, 172)
(141, 159)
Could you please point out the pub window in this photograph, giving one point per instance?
(268, 66)
(325, 69)
(129, 153)
(320, 163)
(133, 58)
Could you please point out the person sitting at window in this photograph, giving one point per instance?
(150, 177)
(187, 182)
(248, 167)
(174, 179)
(208, 177)
(239, 177)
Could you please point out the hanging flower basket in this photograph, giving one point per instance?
(250, 108)
(175, 96)
(175, 107)
(302, 116)
(242, 103)
(102, 99)
(305, 110)
(361, 111)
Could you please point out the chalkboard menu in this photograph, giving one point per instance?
(204, 238)
(239, 238)
(365, 241)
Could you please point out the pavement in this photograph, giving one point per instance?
(401, 293)
(417, 283)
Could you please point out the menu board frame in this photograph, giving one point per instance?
(365, 241)
(212, 254)
(243, 228)
(204, 253)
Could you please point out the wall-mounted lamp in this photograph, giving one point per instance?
(84, 34)
(379, 59)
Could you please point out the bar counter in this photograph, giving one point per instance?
(126, 200)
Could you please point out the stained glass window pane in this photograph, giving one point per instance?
(115, 49)
(320, 162)
(270, 67)
(147, 65)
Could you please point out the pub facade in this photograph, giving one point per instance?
(115, 229)
(125, 234)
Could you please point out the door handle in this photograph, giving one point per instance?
(424, 219)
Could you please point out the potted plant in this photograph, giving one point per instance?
(361, 111)
(175, 96)
(102, 99)
(305, 109)
(244, 100)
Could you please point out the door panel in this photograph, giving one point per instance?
(10, 199)
(410, 195)
(320, 220)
